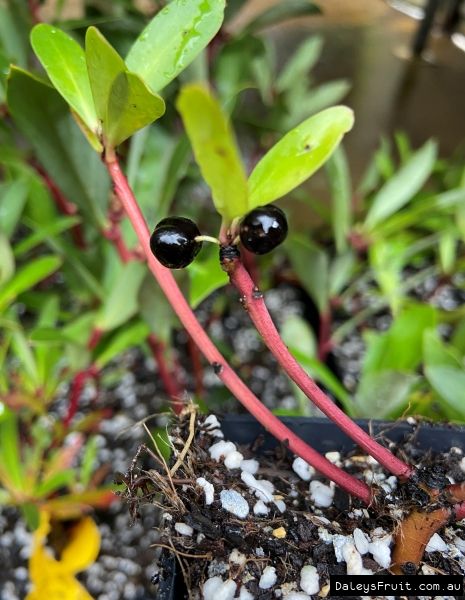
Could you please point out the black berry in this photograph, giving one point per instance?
(263, 228)
(173, 242)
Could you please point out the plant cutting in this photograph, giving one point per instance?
(111, 101)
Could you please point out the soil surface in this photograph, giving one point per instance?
(308, 524)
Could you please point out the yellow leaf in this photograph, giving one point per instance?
(53, 579)
(83, 547)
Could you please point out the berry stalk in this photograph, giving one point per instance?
(223, 370)
(252, 300)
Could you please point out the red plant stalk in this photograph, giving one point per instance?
(168, 379)
(76, 390)
(324, 345)
(252, 300)
(223, 370)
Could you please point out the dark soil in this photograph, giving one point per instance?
(304, 534)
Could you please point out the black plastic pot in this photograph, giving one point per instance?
(324, 436)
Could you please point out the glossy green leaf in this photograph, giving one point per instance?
(26, 277)
(7, 260)
(206, 276)
(13, 196)
(215, 150)
(312, 267)
(402, 186)
(58, 144)
(103, 65)
(384, 393)
(131, 106)
(337, 169)
(290, 9)
(173, 39)
(65, 63)
(300, 63)
(131, 335)
(298, 155)
(121, 303)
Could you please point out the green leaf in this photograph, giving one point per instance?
(382, 393)
(215, 150)
(173, 39)
(7, 260)
(281, 11)
(205, 276)
(447, 250)
(437, 353)
(402, 186)
(400, 348)
(89, 461)
(161, 319)
(297, 333)
(298, 155)
(131, 106)
(121, 303)
(53, 483)
(131, 335)
(300, 63)
(65, 63)
(340, 272)
(449, 383)
(36, 238)
(26, 277)
(9, 451)
(59, 145)
(103, 65)
(337, 170)
(49, 336)
(31, 514)
(312, 267)
(13, 196)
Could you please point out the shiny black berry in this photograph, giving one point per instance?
(263, 228)
(173, 242)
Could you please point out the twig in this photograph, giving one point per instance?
(252, 300)
(173, 549)
(223, 370)
(178, 463)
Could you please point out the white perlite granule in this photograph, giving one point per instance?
(234, 503)
(321, 494)
(251, 466)
(221, 449)
(268, 578)
(379, 547)
(217, 589)
(237, 558)
(211, 422)
(361, 541)
(297, 596)
(260, 508)
(233, 460)
(354, 560)
(245, 594)
(263, 489)
(309, 580)
(436, 543)
(183, 529)
(208, 489)
(303, 469)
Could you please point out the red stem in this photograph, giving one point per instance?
(114, 235)
(197, 367)
(324, 345)
(169, 381)
(64, 205)
(223, 370)
(76, 390)
(253, 302)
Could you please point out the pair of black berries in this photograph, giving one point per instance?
(174, 241)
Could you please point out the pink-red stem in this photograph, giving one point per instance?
(253, 302)
(168, 379)
(224, 371)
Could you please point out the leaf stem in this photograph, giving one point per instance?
(223, 370)
(252, 300)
